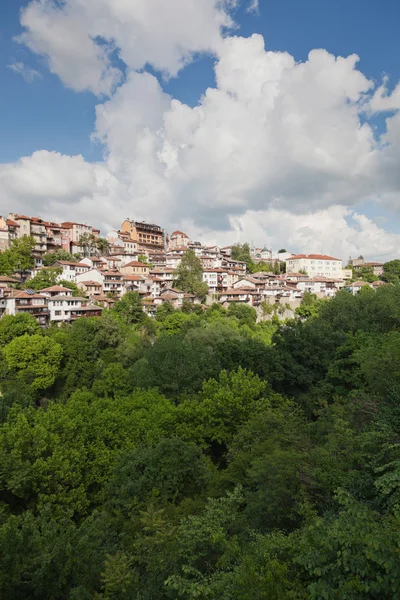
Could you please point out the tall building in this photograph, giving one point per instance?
(145, 235)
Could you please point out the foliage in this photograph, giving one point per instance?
(203, 454)
(189, 275)
(241, 252)
(12, 327)
(391, 271)
(34, 357)
(129, 308)
(51, 257)
(19, 257)
(309, 306)
(365, 273)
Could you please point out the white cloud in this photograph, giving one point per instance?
(278, 150)
(383, 101)
(77, 37)
(27, 73)
(336, 230)
(253, 6)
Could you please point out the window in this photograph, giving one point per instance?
(58, 313)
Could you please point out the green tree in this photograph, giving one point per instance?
(366, 273)
(245, 314)
(51, 257)
(103, 246)
(309, 306)
(129, 308)
(14, 326)
(241, 252)
(89, 244)
(36, 358)
(189, 275)
(391, 271)
(19, 258)
(45, 278)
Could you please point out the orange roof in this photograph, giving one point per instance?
(23, 217)
(11, 223)
(313, 256)
(133, 278)
(56, 288)
(91, 283)
(359, 284)
(179, 233)
(135, 263)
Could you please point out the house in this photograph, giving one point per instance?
(91, 288)
(172, 295)
(317, 265)
(165, 274)
(356, 286)
(173, 260)
(376, 267)
(55, 290)
(322, 287)
(113, 283)
(244, 296)
(135, 268)
(151, 287)
(64, 309)
(68, 270)
(92, 275)
(28, 301)
(235, 265)
(94, 262)
(178, 239)
(8, 233)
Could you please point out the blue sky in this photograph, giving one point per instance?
(44, 114)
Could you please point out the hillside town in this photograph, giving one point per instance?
(141, 257)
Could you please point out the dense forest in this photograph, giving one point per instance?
(202, 455)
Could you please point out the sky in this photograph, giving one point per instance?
(276, 123)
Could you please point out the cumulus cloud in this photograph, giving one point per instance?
(278, 151)
(26, 72)
(382, 101)
(337, 230)
(78, 37)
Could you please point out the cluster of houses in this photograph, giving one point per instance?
(142, 258)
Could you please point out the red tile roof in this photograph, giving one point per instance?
(135, 263)
(56, 288)
(11, 223)
(179, 233)
(313, 256)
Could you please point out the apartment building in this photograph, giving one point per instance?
(28, 302)
(65, 309)
(178, 239)
(315, 265)
(146, 236)
(8, 232)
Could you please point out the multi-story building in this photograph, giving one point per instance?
(113, 283)
(8, 232)
(147, 236)
(314, 265)
(177, 240)
(28, 302)
(65, 309)
(359, 263)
